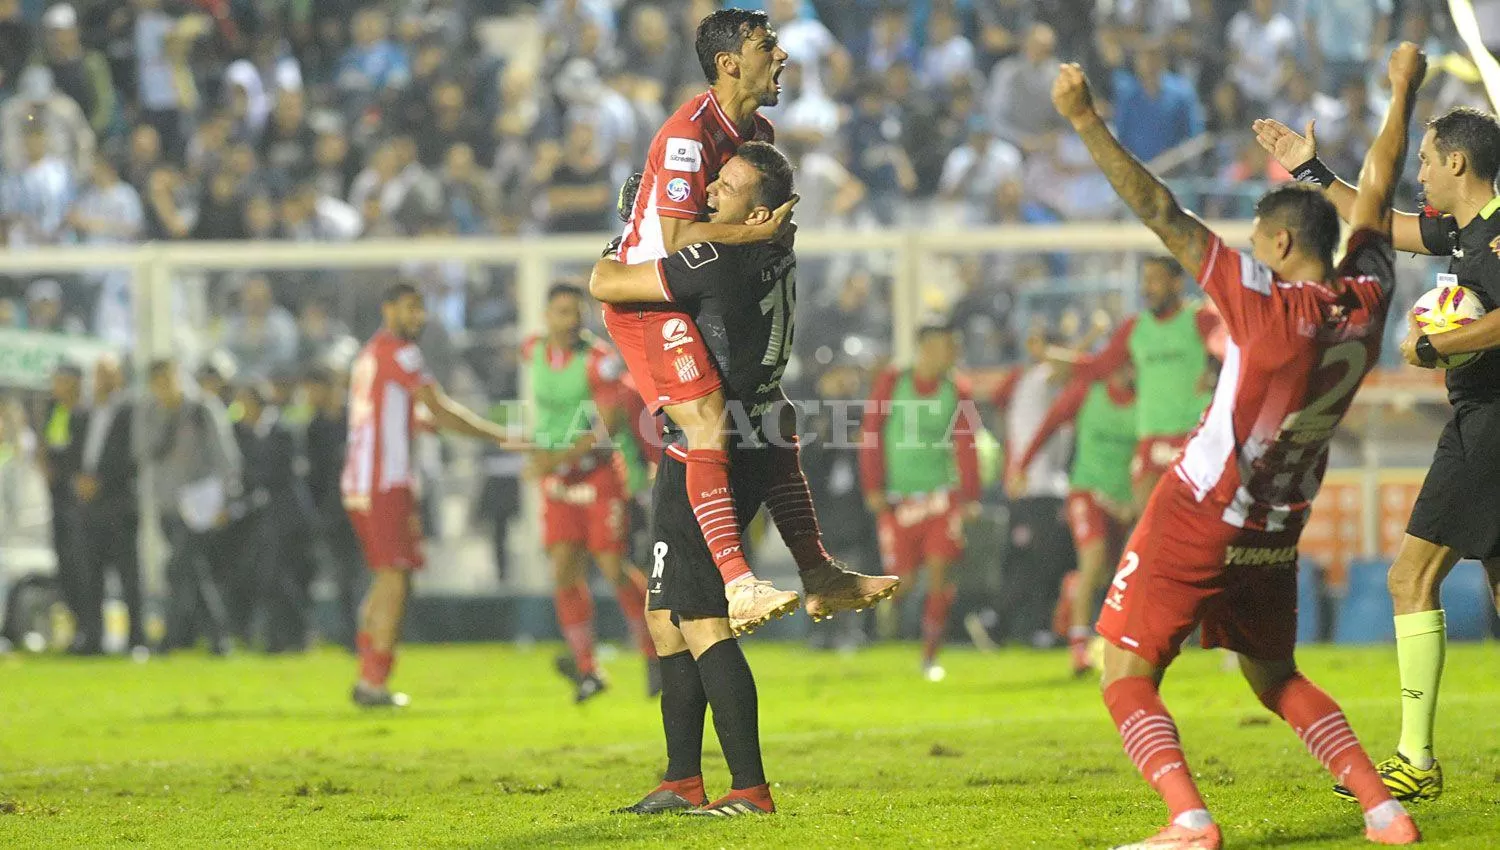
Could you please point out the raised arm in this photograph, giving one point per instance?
(1063, 410)
(1181, 232)
(449, 415)
(1382, 169)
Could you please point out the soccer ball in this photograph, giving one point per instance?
(1444, 308)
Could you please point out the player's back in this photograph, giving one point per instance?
(1296, 355)
(383, 384)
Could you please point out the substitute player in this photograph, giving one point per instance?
(1457, 512)
(921, 474)
(1217, 544)
(1169, 346)
(379, 484)
(743, 296)
(1099, 487)
(577, 382)
(666, 353)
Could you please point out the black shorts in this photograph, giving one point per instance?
(684, 579)
(1459, 506)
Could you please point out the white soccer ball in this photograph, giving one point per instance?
(1445, 308)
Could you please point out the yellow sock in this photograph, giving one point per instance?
(1421, 643)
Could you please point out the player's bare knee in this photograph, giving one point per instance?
(1123, 664)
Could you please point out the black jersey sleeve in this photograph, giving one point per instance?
(1369, 254)
(1439, 234)
(701, 270)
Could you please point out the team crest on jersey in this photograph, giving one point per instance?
(687, 367)
(684, 155)
(678, 189)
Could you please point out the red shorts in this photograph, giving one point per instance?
(587, 509)
(1154, 456)
(1088, 519)
(390, 531)
(665, 353)
(917, 530)
(1184, 566)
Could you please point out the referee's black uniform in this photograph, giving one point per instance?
(1459, 506)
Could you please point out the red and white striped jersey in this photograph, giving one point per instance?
(1297, 351)
(383, 385)
(685, 156)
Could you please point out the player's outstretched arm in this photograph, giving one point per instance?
(1153, 203)
(449, 415)
(614, 282)
(1382, 169)
(678, 233)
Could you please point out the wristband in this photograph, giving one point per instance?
(1314, 171)
(1425, 352)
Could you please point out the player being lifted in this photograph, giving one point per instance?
(921, 474)
(742, 297)
(1217, 544)
(1457, 512)
(582, 479)
(666, 354)
(387, 381)
(1099, 487)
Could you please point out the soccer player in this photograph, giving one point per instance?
(666, 354)
(744, 296)
(1099, 498)
(1217, 544)
(921, 474)
(1169, 346)
(582, 479)
(379, 485)
(1457, 512)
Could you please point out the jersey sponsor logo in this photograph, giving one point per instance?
(1260, 556)
(687, 368)
(684, 155)
(674, 331)
(699, 254)
(678, 189)
(409, 358)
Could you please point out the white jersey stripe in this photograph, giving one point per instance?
(1208, 453)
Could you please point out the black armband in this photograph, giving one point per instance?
(1425, 352)
(1314, 171)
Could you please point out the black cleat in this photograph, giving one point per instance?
(659, 802)
(590, 686)
(653, 678)
(368, 697)
(567, 668)
(751, 801)
(625, 201)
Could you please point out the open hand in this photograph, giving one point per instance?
(1071, 95)
(1283, 143)
(780, 223)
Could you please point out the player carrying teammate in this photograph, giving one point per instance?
(582, 479)
(743, 296)
(379, 485)
(1457, 513)
(666, 353)
(1217, 544)
(921, 474)
(1099, 497)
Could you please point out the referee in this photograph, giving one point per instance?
(1457, 513)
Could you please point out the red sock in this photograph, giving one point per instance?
(575, 615)
(713, 505)
(935, 620)
(791, 506)
(631, 595)
(375, 667)
(362, 642)
(1321, 725)
(1152, 743)
(690, 789)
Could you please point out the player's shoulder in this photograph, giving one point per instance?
(962, 385)
(528, 346)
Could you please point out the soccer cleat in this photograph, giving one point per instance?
(1400, 829)
(590, 685)
(833, 587)
(1078, 651)
(680, 796)
(625, 200)
(368, 696)
(1404, 780)
(750, 801)
(979, 633)
(567, 668)
(653, 678)
(1176, 837)
(753, 603)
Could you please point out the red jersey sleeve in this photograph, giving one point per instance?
(964, 451)
(1115, 354)
(1243, 290)
(528, 347)
(410, 370)
(1062, 411)
(680, 165)
(1211, 328)
(1006, 390)
(872, 433)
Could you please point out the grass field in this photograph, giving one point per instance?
(1008, 752)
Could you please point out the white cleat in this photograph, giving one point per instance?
(753, 603)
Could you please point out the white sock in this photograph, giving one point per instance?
(1384, 814)
(1194, 819)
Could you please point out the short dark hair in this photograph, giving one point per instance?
(1307, 213)
(775, 172)
(1167, 262)
(161, 366)
(398, 291)
(564, 288)
(725, 31)
(1473, 133)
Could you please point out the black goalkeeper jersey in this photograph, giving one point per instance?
(1474, 252)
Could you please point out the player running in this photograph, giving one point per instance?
(1457, 512)
(1217, 544)
(1169, 346)
(743, 296)
(1099, 499)
(921, 474)
(582, 480)
(666, 353)
(379, 484)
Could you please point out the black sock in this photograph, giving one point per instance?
(731, 691)
(683, 707)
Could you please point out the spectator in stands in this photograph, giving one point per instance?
(948, 57)
(38, 194)
(580, 194)
(888, 42)
(412, 109)
(196, 468)
(1018, 101)
(854, 324)
(37, 104)
(333, 166)
(1301, 102)
(286, 147)
(825, 63)
(877, 156)
(321, 336)
(62, 427)
(308, 215)
(975, 170)
(650, 56)
(324, 391)
(171, 204)
(374, 68)
(221, 214)
(453, 121)
(261, 334)
(1343, 36)
(264, 77)
(81, 74)
(143, 156)
(1135, 22)
(15, 42)
(803, 114)
(830, 192)
(1258, 39)
(166, 96)
(45, 312)
(109, 212)
(565, 23)
(1155, 110)
(468, 196)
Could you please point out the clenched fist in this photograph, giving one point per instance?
(1071, 95)
(1408, 65)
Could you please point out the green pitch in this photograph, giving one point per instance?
(1008, 752)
